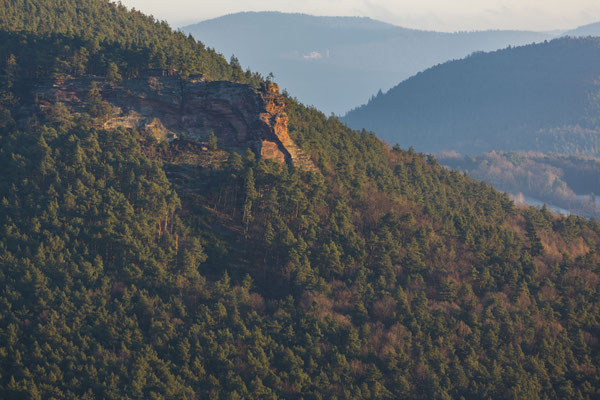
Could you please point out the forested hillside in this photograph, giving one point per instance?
(89, 36)
(568, 182)
(541, 97)
(133, 268)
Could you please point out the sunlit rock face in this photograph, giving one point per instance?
(166, 106)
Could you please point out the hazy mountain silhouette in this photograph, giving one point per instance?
(541, 97)
(586, 30)
(336, 63)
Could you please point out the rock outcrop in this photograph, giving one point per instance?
(167, 106)
(275, 117)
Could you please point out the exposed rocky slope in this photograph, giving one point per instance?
(166, 106)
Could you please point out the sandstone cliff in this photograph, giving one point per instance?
(166, 107)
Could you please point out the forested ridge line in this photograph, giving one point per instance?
(132, 268)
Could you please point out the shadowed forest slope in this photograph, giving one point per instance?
(541, 97)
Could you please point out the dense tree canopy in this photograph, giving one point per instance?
(93, 36)
(569, 182)
(136, 269)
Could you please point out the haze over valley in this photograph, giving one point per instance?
(467, 92)
(337, 63)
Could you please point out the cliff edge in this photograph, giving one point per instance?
(166, 106)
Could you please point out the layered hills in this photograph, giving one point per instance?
(142, 256)
(336, 63)
(541, 97)
(585, 30)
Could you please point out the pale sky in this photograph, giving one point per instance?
(441, 15)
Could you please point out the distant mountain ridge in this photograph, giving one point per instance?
(585, 30)
(335, 63)
(541, 97)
